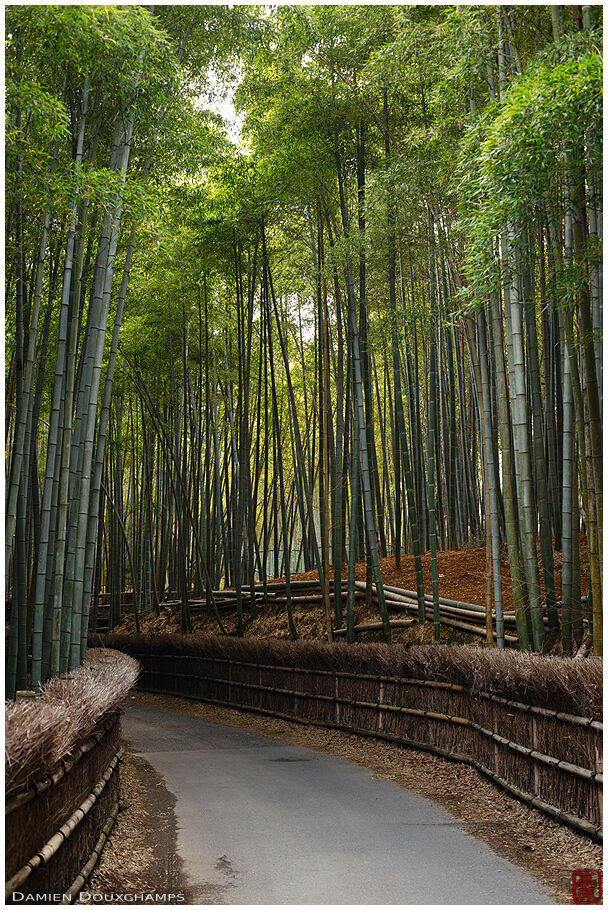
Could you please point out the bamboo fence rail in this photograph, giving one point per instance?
(74, 890)
(74, 846)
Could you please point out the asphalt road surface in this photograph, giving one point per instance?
(263, 822)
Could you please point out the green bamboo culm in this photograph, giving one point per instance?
(325, 355)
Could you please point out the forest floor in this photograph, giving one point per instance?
(462, 576)
(140, 856)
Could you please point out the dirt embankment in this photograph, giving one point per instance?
(462, 576)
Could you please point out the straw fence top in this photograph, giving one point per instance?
(560, 684)
(40, 732)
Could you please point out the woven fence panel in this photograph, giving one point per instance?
(549, 757)
(32, 823)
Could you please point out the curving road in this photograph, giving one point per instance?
(263, 822)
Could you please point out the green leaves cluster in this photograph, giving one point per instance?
(514, 154)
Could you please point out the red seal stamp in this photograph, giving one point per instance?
(587, 886)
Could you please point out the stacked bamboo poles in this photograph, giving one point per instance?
(460, 615)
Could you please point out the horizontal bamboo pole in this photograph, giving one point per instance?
(312, 598)
(400, 600)
(444, 613)
(222, 605)
(230, 594)
(297, 584)
(477, 608)
(446, 602)
(46, 852)
(378, 626)
(74, 890)
(447, 616)
(443, 600)
(468, 627)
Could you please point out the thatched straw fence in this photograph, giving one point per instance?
(62, 781)
(532, 724)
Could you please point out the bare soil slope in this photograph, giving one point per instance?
(462, 576)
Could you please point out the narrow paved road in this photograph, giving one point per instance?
(263, 822)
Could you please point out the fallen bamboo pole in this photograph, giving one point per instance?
(412, 596)
(403, 604)
(375, 626)
(458, 624)
(449, 620)
(313, 598)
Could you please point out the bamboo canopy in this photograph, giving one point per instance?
(367, 324)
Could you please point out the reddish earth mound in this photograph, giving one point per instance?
(462, 577)
(462, 573)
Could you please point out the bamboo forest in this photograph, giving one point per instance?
(303, 310)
